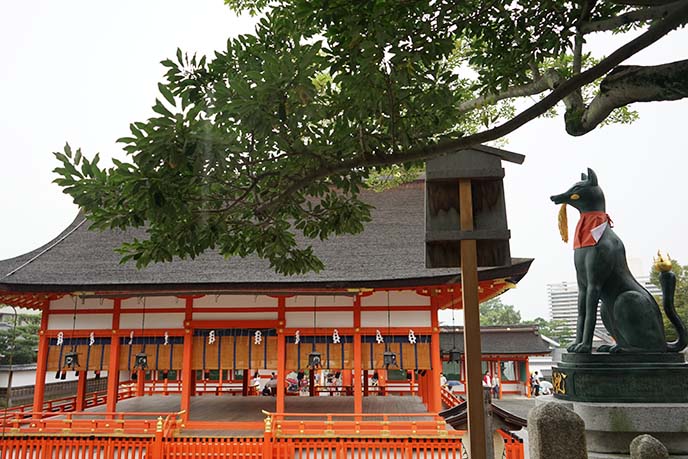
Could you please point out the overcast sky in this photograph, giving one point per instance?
(81, 71)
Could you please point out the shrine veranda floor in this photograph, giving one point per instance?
(231, 408)
(238, 409)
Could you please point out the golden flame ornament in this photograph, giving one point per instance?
(563, 223)
(662, 263)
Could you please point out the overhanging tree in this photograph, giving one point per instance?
(18, 342)
(494, 312)
(277, 135)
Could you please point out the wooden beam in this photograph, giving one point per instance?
(471, 334)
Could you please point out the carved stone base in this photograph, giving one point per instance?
(623, 378)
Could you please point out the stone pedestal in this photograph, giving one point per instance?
(610, 427)
(620, 396)
(625, 378)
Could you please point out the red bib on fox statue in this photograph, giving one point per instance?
(590, 228)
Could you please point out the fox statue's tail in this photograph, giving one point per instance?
(667, 280)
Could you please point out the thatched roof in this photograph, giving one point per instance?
(516, 339)
(390, 252)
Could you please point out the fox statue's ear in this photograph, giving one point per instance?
(584, 177)
(592, 177)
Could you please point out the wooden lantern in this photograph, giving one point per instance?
(482, 165)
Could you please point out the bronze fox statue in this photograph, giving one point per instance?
(629, 312)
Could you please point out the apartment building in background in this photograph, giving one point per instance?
(563, 298)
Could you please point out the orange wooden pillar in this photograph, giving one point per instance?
(358, 367)
(113, 362)
(281, 370)
(435, 402)
(41, 365)
(311, 382)
(366, 391)
(421, 388)
(140, 382)
(188, 375)
(426, 393)
(382, 382)
(245, 379)
(527, 379)
(81, 391)
(281, 355)
(347, 382)
(499, 375)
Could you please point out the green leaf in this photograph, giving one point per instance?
(167, 94)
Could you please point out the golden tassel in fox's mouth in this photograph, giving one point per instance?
(563, 224)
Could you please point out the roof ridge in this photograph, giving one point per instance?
(44, 251)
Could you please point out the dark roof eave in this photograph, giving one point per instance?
(515, 273)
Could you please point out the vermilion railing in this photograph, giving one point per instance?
(449, 399)
(59, 406)
(287, 435)
(513, 446)
(336, 448)
(127, 389)
(363, 424)
(73, 448)
(332, 436)
(219, 447)
(98, 423)
(228, 448)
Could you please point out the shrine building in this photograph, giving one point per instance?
(190, 337)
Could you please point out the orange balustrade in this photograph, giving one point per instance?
(97, 423)
(366, 424)
(449, 398)
(513, 446)
(288, 448)
(127, 389)
(240, 448)
(69, 448)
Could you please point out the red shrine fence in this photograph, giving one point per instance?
(329, 436)
(229, 448)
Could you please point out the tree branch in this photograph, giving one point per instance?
(646, 14)
(549, 80)
(628, 84)
(650, 36)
